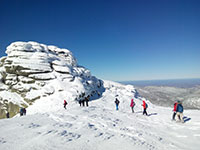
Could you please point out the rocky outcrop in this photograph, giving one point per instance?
(31, 71)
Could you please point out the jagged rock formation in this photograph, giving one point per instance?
(31, 71)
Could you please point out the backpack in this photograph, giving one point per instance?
(146, 105)
(179, 108)
(117, 101)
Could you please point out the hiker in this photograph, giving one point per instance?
(83, 102)
(24, 111)
(179, 112)
(79, 102)
(7, 115)
(174, 110)
(145, 108)
(87, 100)
(117, 103)
(21, 111)
(132, 105)
(65, 103)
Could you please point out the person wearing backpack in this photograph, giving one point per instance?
(179, 110)
(65, 103)
(132, 105)
(21, 112)
(117, 103)
(145, 106)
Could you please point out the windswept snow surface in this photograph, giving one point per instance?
(48, 126)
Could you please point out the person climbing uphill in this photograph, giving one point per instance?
(145, 108)
(117, 103)
(65, 103)
(132, 105)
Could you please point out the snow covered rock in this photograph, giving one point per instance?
(33, 71)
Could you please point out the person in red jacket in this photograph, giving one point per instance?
(145, 108)
(65, 103)
(132, 105)
(174, 110)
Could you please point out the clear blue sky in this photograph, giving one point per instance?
(115, 39)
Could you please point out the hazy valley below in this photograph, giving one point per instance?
(165, 92)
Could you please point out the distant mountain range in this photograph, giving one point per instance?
(166, 92)
(181, 83)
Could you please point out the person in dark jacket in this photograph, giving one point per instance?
(83, 102)
(7, 115)
(21, 111)
(79, 102)
(117, 103)
(24, 111)
(179, 110)
(87, 100)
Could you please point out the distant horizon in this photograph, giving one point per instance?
(179, 83)
(198, 78)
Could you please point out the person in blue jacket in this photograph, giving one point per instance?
(21, 111)
(117, 103)
(179, 110)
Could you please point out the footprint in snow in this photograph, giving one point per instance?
(2, 141)
(33, 125)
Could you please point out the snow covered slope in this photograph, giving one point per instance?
(33, 71)
(41, 77)
(49, 126)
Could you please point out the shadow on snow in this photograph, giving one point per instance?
(185, 118)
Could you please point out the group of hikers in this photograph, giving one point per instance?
(132, 105)
(83, 102)
(177, 111)
(177, 115)
(22, 111)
